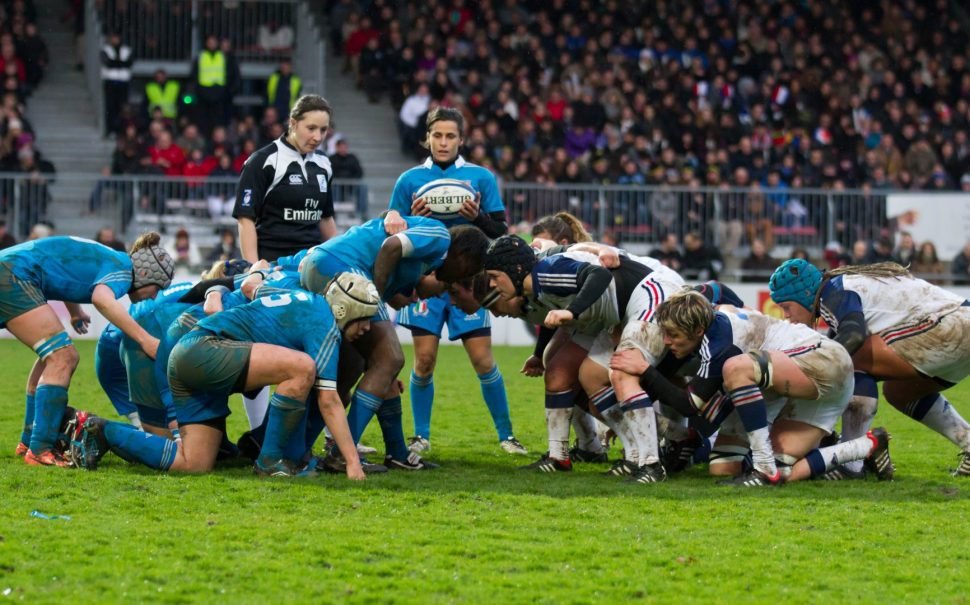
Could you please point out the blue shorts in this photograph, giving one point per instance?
(143, 388)
(16, 295)
(432, 313)
(202, 372)
(112, 376)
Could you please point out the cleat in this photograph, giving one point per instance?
(363, 450)
(878, 461)
(753, 478)
(843, 473)
(334, 463)
(21, 449)
(963, 470)
(678, 455)
(48, 458)
(547, 464)
(71, 424)
(512, 446)
(227, 450)
(248, 446)
(89, 447)
(578, 454)
(418, 444)
(648, 473)
(413, 463)
(281, 468)
(622, 468)
(73, 432)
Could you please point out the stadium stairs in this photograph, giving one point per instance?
(64, 119)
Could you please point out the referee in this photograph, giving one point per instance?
(283, 201)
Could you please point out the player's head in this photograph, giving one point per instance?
(684, 317)
(227, 268)
(446, 127)
(309, 122)
(353, 299)
(794, 287)
(466, 254)
(508, 261)
(151, 266)
(562, 228)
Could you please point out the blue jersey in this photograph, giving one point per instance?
(424, 247)
(69, 268)
(278, 280)
(296, 319)
(292, 262)
(480, 179)
(112, 335)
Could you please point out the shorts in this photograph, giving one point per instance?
(432, 313)
(602, 349)
(937, 348)
(112, 376)
(143, 388)
(643, 336)
(16, 295)
(649, 293)
(202, 372)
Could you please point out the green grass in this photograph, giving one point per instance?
(476, 530)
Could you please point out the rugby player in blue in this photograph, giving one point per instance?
(401, 266)
(426, 318)
(74, 271)
(287, 338)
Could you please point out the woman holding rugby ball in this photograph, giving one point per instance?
(426, 318)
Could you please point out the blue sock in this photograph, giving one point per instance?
(603, 399)
(389, 417)
(28, 420)
(363, 406)
(493, 390)
(50, 401)
(296, 445)
(314, 425)
(422, 397)
(150, 450)
(284, 416)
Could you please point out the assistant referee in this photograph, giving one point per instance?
(283, 201)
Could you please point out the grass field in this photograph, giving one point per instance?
(476, 530)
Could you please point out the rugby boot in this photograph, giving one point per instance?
(878, 460)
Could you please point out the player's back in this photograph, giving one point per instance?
(755, 331)
(67, 268)
(888, 302)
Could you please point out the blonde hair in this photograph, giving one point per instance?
(687, 311)
(562, 226)
(217, 270)
(146, 240)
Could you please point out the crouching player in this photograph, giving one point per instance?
(289, 339)
(913, 335)
(74, 271)
(806, 378)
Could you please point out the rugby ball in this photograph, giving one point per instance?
(445, 197)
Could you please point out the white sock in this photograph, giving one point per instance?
(856, 422)
(557, 424)
(643, 427)
(585, 426)
(256, 407)
(762, 455)
(616, 420)
(135, 420)
(945, 420)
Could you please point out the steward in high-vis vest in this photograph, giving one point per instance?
(163, 94)
(283, 89)
(209, 75)
(116, 62)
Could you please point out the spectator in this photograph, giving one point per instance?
(961, 266)
(34, 192)
(162, 94)
(800, 253)
(905, 252)
(226, 249)
(927, 264)
(184, 251)
(861, 253)
(106, 236)
(40, 231)
(345, 165)
(34, 52)
(758, 266)
(6, 238)
(221, 196)
(414, 107)
(701, 261)
(167, 155)
(882, 251)
(668, 252)
(283, 88)
(209, 78)
(116, 62)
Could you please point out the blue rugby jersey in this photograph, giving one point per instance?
(479, 178)
(69, 268)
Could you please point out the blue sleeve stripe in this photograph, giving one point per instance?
(116, 276)
(327, 349)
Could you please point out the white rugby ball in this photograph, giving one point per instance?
(444, 197)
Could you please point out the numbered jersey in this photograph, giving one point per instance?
(69, 268)
(295, 319)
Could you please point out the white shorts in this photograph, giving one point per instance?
(939, 348)
(602, 349)
(643, 336)
(649, 293)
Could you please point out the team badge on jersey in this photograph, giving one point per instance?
(322, 180)
(247, 199)
(421, 308)
(296, 179)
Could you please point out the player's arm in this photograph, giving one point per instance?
(332, 410)
(249, 199)
(390, 254)
(103, 298)
(198, 292)
(846, 306)
(79, 319)
(492, 224)
(593, 282)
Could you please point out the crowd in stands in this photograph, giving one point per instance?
(749, 93)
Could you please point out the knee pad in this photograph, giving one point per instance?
(725, 454)
(45, 347)
(762, 368)
(784, 462)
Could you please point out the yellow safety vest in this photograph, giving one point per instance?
(167, 98)
(212, 69)
(273, 84)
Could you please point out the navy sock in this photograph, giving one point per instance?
(50, 401)
(493, 390)
(150, 450)
(746, 402)
(389, 416)
(282, 420)
(363, 406)
(28, 420)
(918, 409)
(422, 399)
(603, 399)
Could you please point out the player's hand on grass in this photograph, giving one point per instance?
(394, 223)
(557, 318)
(470, 209)
(355, 472)
(533, 367)
(419, 208)
(629, 361)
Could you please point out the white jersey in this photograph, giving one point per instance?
(754, 331)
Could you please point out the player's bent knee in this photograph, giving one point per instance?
(57, 349)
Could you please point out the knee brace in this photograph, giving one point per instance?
(45, 347)
(725, 454)
(762, 368)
